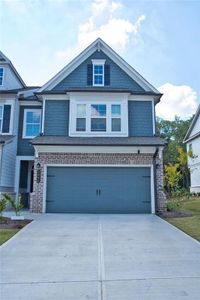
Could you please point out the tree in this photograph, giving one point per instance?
(175, 155)
(173, 132)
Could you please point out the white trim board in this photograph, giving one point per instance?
(97, 166)
(96, 45)
(94, 149)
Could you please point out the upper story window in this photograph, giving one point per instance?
(1, 76)
(32, 123)
(5, 118)
(98, 118)
(98, 72)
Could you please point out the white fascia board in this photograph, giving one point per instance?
(69, 67)
(54, 97)
(94, 149)
(127, 68)
(30, 103)
(89, 51)
(193, 137)
(141, 98)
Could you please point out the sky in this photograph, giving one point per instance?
(160, 39)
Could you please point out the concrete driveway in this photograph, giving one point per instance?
(100, 257)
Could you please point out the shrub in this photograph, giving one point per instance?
(3, 205)
(173, 205)
(16, 205)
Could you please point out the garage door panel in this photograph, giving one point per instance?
(96, 190)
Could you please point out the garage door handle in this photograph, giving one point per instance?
(99, 192)
(50, 201)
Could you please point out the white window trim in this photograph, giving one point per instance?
(108, 132)
(99, 62)
(2, 76)
(24, 136)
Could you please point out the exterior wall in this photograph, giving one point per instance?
(9, 151)
(8, 166)
(118, 78)
(56, 120)
(10, 81)
(140, 118)
(36, 203)
(24, 146)
(196, 128)
(194, 165)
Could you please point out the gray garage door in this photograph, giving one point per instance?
(98, 190)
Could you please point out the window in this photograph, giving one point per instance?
(98, 72)
(32, 120)
(81, 117)
(1, 76)
(1, 117)
(98, 77)
(98, 119)
(116, 117)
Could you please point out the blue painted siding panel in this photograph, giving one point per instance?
(122, 190)
(140, 118)
(56, 117)
(118, 78)
(24, 146)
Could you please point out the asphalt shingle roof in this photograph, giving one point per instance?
(98, 141)
(5, 138)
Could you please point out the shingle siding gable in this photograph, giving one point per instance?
(79, 78)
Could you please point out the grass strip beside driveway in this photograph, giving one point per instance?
(190, 225)
(6, 234)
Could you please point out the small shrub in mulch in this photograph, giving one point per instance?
(174, 214)
(7, 223)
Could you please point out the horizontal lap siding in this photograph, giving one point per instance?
(118, 78)
(140, 118)
(56, 117)
(24, 146)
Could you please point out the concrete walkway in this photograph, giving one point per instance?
(100, 257)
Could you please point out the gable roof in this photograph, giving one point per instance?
(5, 61)
(188, 137)
(98, 44)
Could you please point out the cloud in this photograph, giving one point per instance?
(18, 7)
(177, 100)
(104, 23)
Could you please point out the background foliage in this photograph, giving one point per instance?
(175, 155)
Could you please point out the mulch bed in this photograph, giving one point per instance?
(175, 214)
(7, 223)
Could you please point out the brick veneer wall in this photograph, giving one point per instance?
(36, 199)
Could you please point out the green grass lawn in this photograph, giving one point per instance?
(190, 225)
(6, 234)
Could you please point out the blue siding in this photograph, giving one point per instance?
(118, 78)
(24, 146)
(98, 190)
(56, 117)
(140, 118)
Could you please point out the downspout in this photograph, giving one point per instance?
(155, 178)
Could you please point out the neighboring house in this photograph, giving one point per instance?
(10, 84)
(192, 140)
(97, 152)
